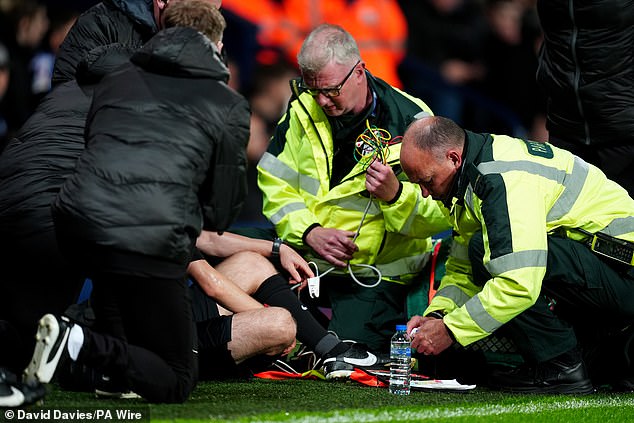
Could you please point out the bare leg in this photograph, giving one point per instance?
(268, 331)
(247, 270)
(258, 277)
(221, 288)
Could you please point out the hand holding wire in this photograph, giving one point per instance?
(381, 182)
(334, 245)
(337, 246)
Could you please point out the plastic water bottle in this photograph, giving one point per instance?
(400, 358)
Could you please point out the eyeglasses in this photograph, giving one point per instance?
(328, 92)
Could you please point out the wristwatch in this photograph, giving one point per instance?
(275, 251)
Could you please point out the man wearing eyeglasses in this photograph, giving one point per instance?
(344, 208)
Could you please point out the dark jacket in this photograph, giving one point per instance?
(586, 69)
(129, 22)
(165, 156)
(35, 164)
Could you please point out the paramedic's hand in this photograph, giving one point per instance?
(431, 336)
(333, 245)
(295, 265)
(381, 181)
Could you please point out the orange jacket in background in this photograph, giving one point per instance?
(378, 26)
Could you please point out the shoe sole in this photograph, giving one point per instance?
(338, 374)
(116, 395)
(42, 367)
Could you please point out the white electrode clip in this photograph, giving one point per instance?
(313, 283)
(313, 287)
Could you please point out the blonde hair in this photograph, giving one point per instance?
(201, 15)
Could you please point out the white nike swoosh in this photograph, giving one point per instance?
(16, 398)
(367, 361)
(303, 307)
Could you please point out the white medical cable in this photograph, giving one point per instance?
(369, 266)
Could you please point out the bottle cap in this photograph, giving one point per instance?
(401, 327)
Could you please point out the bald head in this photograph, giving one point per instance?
(431, 155)
(434, 134)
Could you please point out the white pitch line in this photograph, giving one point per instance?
(532, 407)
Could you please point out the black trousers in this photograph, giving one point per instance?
(581, 294)
(145, 336)
(34, 280)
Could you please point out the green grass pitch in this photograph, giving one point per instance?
(320, 401)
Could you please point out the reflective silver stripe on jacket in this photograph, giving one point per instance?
(295, 179)
(289, 208)
(620, 226)
(572, 182)
(454, 294)
(480, 316)
(517, 260)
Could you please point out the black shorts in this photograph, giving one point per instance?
(214, 333)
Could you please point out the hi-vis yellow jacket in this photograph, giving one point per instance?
(517, 192)
(294, 176)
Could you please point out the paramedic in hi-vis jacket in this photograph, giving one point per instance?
(319, 190)
(543, 246)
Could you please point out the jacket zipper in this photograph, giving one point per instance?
(577, 76)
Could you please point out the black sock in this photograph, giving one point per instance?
(275, 291)
(328, 350)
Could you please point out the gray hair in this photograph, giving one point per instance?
(436, 134)
(327, 43)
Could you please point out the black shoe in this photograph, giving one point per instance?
(341, 366)
(555, 376)
(51, 339)
(609, 358)
(623, 381)
(14, 394)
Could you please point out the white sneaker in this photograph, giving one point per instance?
(342, 365)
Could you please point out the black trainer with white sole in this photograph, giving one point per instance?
(341, 366)
(51, 339)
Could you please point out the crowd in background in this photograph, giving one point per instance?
(471, 60)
